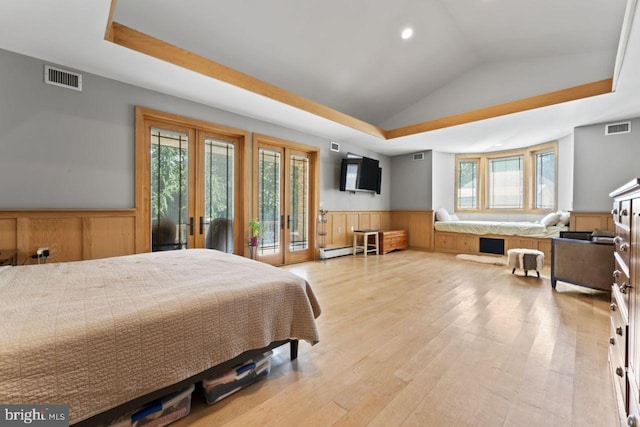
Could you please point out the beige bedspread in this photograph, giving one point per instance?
(95, 334)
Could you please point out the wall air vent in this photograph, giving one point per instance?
(335, 147)
(63, 78)
(616, 128)
(418, 156)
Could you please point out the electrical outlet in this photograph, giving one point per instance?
(43, 252)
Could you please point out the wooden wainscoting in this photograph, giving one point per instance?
(70, 235)
(340, 225)
(419, 226)
(589, 221)
(463, 243)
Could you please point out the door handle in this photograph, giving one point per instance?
(281, 222)
(191, 226)
(201, 225)
(288, 222)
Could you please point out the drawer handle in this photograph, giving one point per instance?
(624, 212)
(612, 341)
(616, 273)
(617, 240)
(613, 306)
(624, 247)
(619, 330)
(619, 372)
(624, 287)
(631, 421)
(614, 211)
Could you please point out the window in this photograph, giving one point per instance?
(545, 188)
(517, 180)
(189, 184)
(506, 183)
(467, 190)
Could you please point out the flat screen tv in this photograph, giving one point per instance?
(360, 174)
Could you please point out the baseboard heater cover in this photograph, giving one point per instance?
(326, 253)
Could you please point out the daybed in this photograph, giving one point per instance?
(496, 237)
(96, 334)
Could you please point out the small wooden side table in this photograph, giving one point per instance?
(365, 246)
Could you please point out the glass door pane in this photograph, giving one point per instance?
(269, 201)
(218, 195)
(169, 189)
(298, 212)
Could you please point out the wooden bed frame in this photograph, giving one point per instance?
(132, 405)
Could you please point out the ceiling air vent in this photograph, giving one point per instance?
(616, 128)
(335, 147)
(418, 156)
(63, 78)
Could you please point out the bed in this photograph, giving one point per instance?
(504, 228)
(98, 334)
(496, 237)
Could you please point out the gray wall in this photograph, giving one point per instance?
(412, 184)
(565, 173)
(602, 164)
(65, 149)
(444, 180)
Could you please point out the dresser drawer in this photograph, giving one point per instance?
(621, 283)
(618, 369)
(625, 212)
(618, 342)
(623, 247)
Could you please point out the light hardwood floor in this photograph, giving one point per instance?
(423, 339)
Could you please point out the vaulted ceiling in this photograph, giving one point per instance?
(341, 70)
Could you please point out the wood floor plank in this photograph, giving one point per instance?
(424, 339)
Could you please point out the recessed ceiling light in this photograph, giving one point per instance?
(407, 33)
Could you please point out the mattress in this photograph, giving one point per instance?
(526, 229)
(95, 334)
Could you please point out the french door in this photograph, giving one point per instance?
(285, 200)
(188, 183)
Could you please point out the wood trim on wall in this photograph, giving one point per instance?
(551, 98)
(108, 34)
(143, 43)
(589, 221)
(419, 226)
(70, 235)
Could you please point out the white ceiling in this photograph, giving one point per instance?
(349, 56)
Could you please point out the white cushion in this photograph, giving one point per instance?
(550, 219)
(442, 215)
(454, 217)
(564, 218)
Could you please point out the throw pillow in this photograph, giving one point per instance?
(454, 217)
(550, 219)
(442, 214)
(564, 218)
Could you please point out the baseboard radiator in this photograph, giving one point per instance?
(326, 253)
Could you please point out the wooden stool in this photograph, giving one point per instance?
(526, 259)
(366, 246)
